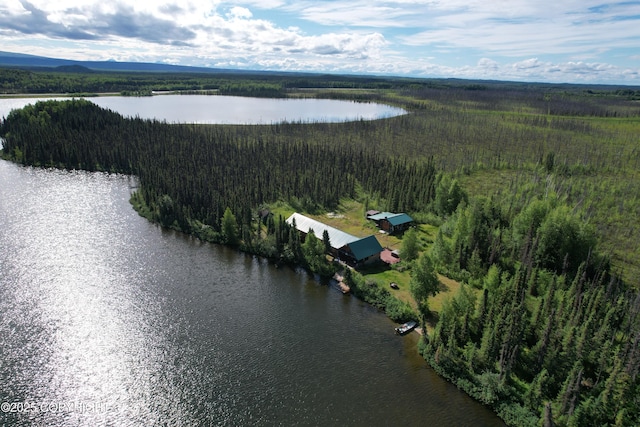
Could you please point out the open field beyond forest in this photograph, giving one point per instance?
(591, 162)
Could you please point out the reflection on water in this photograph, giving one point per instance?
(220, 109)
(105, 319)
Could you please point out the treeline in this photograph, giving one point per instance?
(69, 80)
(193, 173)
(560, 99)
(543, 331)
(44, 82)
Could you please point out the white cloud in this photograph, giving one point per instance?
(520, 27)
(566, 40)
(533, 69)
(359, 13)
(238, 12)
(527, 64)
(488, 64)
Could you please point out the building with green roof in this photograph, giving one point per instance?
(353, 250)
(391, 222)
(364, 251)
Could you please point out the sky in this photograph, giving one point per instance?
(561, 41)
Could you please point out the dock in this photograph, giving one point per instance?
(343, 286)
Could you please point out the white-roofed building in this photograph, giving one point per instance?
(337, 238)
(355, 250)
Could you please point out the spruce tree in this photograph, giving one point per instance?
(229, 227)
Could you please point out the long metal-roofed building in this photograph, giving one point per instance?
(351, 249)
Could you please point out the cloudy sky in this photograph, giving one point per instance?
(577, 41)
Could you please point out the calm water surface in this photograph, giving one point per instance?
(230, 109)
(105, 319)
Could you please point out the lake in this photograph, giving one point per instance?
(107, 319)
(218, 109)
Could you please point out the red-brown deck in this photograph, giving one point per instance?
(388, 258)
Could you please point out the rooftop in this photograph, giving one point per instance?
(393, 218)
(398, 219)
(337, 238)
(365, 247)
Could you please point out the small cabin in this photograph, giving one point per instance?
(392, 222)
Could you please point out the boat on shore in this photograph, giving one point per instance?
(394, 285)
(406, 327)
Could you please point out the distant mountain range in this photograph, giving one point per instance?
(42, 63)
(20, 60)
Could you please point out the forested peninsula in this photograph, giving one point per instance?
(533, 193)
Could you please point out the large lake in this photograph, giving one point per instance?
(108, 320)
(218, 109)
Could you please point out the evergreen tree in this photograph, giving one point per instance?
(229, 228)
(571, 389)
(326, 241)
(536, 394)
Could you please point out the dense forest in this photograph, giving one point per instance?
(189, 174)
(81, 80)
(534, 193)
(85, 81)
